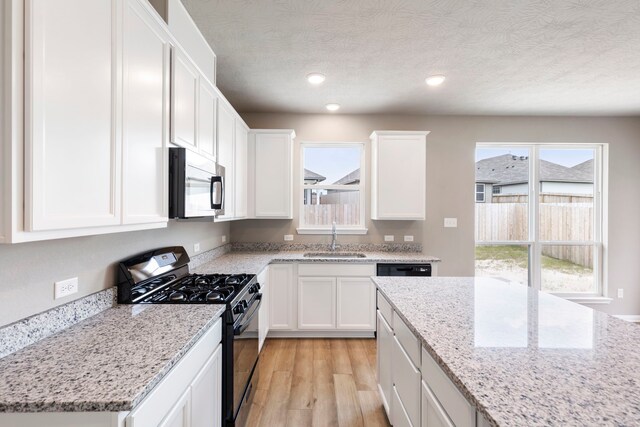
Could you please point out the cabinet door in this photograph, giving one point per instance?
(432, 413)
(226, 141)
(241, 161)
(316, 303)
(399, 177)
(72, 143)
(273, 176)
(282, 312)
(179, 415)
(206, 393)
(406, 380)
(384, 341)
(145, 124)
(356, 301)
(184, 98)
(207, 119)
(263, 279)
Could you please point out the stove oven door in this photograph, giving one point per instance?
(245, 358)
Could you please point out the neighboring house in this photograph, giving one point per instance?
(509, 174)
(350, 178)
(311, 178)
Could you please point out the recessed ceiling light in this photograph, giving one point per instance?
(435, 80)
(333, 107)
(315, 78)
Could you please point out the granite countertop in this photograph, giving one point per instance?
(97, 365)
(523, 357)
(255, 262)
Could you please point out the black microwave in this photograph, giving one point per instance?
(196, 185)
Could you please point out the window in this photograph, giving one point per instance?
(479, 193)
(332, 188)
(496, 190)
(549, 234)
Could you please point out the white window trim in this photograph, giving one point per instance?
(601, 176)
(340, 229)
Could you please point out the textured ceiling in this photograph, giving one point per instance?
(579, 57)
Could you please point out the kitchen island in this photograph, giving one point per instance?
(516, 355)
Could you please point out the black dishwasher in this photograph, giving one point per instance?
(404, 270)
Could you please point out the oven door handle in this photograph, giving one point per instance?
(247, 318)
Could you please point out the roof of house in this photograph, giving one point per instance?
(350, 178)
(312, 176)
(509, 169)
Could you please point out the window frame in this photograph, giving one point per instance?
(340, 229)
(600, 217)
(483, 192)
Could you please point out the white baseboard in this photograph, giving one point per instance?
(320, 334)
(628, 317)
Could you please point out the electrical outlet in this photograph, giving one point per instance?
(408, 238)
(65, 288)
(196, 247)
(224, 238)
(388, 238)
(620, 293)
(288, 237)
(451, 222)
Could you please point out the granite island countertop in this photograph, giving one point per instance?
(255, 261)
(97, 364)
(523, 357)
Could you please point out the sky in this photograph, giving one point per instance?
(332, 163)
(564, 157)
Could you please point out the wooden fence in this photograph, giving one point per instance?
(559, 220)
(341, 207)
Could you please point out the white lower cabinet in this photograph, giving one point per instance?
(263, 314)
(356, 301)
(335, 299)
(432, 413)
(385, 357)
(406, 379)
(282, 297)
(414, 390)
(206, 393)
(180, 414)
(400, 417)
(317, 303)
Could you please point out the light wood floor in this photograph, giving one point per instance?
(317, 382)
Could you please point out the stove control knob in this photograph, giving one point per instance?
(254, 288)
(238, 309)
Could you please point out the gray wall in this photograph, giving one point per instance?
(28, 270)
(450, 178)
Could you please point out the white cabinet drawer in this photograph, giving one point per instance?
(456, 406)
(335, 270)
(408, 340)
(385, 309)
(400, 417)
(406, 378)
(433, 415)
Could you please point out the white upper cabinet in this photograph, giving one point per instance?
(241, 169)
(145, 111)
(72, 149)
(184, 98)
(271, 153)
(206, 134)
(398, 175)
(226, 155)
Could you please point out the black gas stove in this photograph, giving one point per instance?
(162, 276)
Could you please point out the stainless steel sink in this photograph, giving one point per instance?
(334, 255)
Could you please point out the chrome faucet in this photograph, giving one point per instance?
(334, 238)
